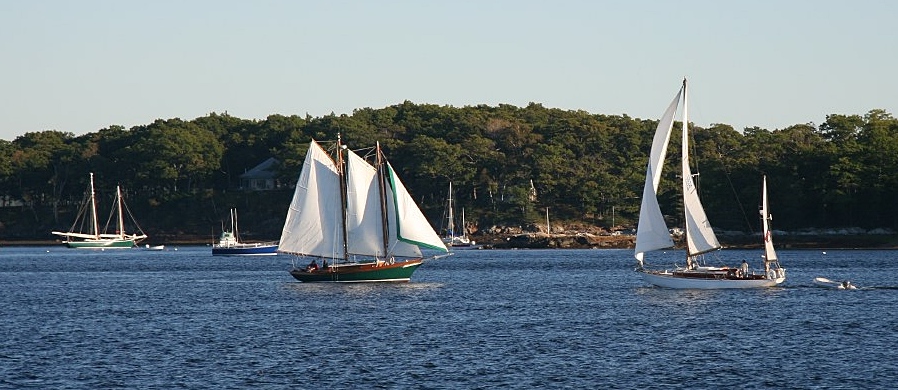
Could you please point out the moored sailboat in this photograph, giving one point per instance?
(653, 234)
(453, 239)
(93, 237)
(357, 218)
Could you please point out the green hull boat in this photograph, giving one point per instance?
(101, 244)
(94, 237)
(359, 272)
(357, 217)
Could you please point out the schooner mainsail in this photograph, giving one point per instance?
(357, 218)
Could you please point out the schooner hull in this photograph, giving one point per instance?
(674, 281)
(360, 273)
(90, 244)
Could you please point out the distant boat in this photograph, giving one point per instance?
(653, 234)
(356, 218)
(85, 231)
(229, 243)
(154, 247)
(843, 285)
(453, 239)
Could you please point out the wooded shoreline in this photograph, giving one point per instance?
(541, 240)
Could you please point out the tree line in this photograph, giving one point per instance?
(181, 177)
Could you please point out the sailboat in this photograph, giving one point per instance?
(93, 237)
(357, 218)
(451, 239)
(652, 232)
(229, 243)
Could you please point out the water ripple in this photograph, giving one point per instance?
(477, 320)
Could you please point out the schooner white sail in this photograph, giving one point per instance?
(357, 218)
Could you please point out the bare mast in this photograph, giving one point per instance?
(93, 209)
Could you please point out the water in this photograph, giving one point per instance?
(479, 319)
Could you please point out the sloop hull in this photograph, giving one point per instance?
(671, 280)
(360, 272)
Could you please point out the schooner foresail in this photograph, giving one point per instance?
(356, 218)
(653, 234)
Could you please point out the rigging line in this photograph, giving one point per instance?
(134, 220)
(726, 172)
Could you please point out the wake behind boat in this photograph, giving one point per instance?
(90, 236)
(653, 234)
(356, 218)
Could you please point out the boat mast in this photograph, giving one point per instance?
(451, 225)
(382, 188)
(93, 208)
(341, 173)
(121, 217)
(234, 224)
(700, 236)
(769, 252)
(464, 232)
(684, 150)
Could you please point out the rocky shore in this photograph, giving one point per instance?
(590, 237)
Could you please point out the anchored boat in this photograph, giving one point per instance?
(85, 231)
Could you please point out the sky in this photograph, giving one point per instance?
(81, 66)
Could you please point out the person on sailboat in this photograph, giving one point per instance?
(313, 266)
(744, 268)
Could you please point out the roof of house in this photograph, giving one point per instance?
(266, 170)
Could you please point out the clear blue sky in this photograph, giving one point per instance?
(79, 66)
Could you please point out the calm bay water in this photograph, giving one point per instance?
(479, 319)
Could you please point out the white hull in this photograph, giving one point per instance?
(668, 280)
